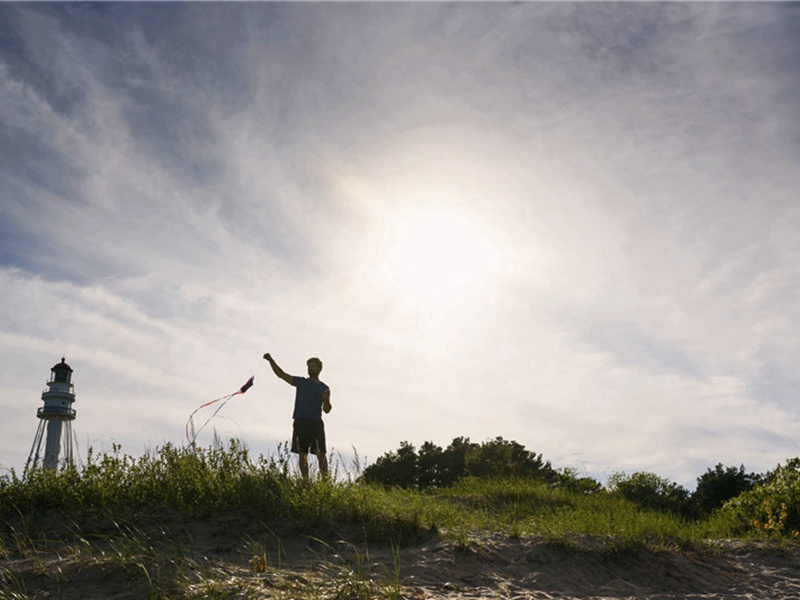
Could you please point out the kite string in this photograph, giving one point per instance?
(196, 433)
(190, 421)
(224, 399)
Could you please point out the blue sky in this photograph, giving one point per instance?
(571, 225)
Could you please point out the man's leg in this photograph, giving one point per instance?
(322, 461)
(302, 458)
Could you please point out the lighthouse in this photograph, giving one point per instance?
(53, 443)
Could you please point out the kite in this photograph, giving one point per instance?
(224, 399)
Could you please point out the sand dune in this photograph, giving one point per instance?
(239, 557)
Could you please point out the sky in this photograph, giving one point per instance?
(572, 225)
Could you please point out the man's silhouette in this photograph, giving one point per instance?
(312, 397)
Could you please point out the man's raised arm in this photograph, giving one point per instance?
(277, 370)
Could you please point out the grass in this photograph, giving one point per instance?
(215, 523)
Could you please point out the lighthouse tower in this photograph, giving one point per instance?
(53, 443)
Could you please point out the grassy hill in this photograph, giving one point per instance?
(218, 523)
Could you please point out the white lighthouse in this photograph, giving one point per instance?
(53, 443)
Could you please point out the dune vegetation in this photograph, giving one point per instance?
(191, 522)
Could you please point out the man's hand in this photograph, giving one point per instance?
(326, 401)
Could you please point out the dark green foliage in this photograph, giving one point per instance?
(569, 479)
(501, 458)
(453, 461)
(429, 465)
(395, 468)
(718, 485)
(771, 507)
(434, 467)
(648, 490)
(440, 468)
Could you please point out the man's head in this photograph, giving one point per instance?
(314, 366)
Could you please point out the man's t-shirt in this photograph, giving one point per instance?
(308, 398)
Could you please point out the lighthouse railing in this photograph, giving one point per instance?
(52, 411)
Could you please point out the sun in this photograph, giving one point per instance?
(436, 258)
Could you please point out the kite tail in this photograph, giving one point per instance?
(224, 399)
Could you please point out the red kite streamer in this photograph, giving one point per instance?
(224, 399)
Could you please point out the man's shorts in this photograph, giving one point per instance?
(308, 436)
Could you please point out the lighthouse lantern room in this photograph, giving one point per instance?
(53, 444)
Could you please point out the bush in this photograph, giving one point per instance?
(501, 458)
(395, 468)
(453, 461)
(718, 485)
(569, 479)
(771, 507)
(648, 490)
(429, 465)
(434, 467)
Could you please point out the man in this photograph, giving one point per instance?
(311, 398)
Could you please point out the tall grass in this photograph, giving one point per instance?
(124, 515)
(224, 478)
(169, 477)
(206, 481)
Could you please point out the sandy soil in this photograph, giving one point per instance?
(529, 568)
(238, 558)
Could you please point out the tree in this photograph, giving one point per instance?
(453, 462)
(718, 485)
(434, 467)
(395, 468)
(429, 465)
(648, 490)
(501, 458)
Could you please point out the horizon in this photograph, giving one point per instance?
(340, 460)
(571, 225)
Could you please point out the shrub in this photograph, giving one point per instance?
(395, 468)
(429, 465)
(648, 490)
(569, 479)
(773, 506)
(434, 467)
(718, 485)
(453, 461)
(501, 458)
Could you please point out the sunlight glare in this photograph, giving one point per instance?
(436, 258)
